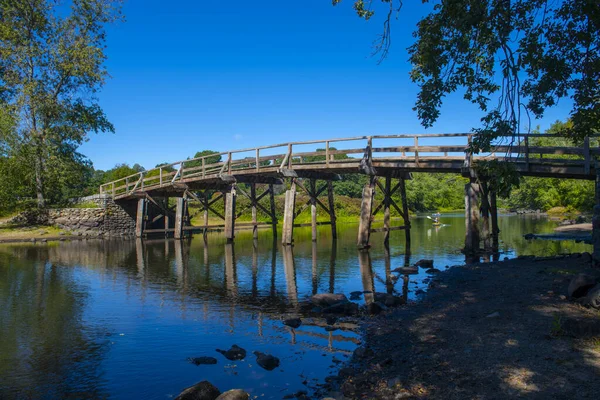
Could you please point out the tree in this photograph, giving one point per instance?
(52, 65)
(513, 59)
(209, 160)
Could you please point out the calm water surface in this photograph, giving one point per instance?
(118, 319)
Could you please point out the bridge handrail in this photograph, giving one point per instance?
(141, 179)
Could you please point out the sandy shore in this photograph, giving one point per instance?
(485, 331)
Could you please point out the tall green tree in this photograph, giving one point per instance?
(513, 59)
(52, 57)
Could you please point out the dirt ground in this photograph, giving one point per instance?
(484, 331)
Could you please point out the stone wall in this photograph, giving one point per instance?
(108, 219)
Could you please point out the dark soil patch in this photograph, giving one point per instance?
(485, 331)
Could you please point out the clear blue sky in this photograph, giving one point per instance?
(191, 75)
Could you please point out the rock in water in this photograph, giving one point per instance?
(593, 297)
(293, 322)
(234, 353)
(424, 263)
(200, 391)
(407, 270)
(388, 299)
(328, 299)
(266, 361)
(355, 295)
(346, 308)
(580, 285)
(376, 307)
(234, 394)
(202, 360)
(331, 320)
(433, 271)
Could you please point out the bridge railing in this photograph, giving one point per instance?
(332, 153)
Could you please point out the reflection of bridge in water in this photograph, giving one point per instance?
(183, 270)
(207, 180)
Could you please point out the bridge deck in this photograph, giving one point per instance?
(391, 155)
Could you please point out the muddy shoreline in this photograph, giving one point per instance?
(485, 331)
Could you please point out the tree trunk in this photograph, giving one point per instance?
(39, 179)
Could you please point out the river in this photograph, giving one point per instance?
(119, 318)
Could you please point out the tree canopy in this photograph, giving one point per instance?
(512, 59)
(52, 66)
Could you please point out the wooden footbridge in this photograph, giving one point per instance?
(300, 165)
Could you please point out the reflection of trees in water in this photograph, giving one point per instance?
(46, 350)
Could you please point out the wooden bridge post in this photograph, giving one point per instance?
(332, 217)
(206, 200)
(140, 220)
(405, 215)
(254, 211)
(494, 215)
(230, 214)
(313, 209)
(273, 213)
(485, 215)
(386, 209)
(366, 208)
(180, 217)
(471, 217)
(287, 237)
(166, 217)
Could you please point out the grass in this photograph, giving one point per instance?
(18, 232)
(86, 204)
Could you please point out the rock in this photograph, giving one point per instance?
(328, 299)
(433, 271)
(355, 295)
(529, 236)
(424, 263)
(301, 394)
(419, 291)
(388, 299)
(200, 391)
(493, 315)
(293, 322)
(266, 361)
(376, 308)
(586, 257)
(234, 353)
(331, 320)
(346, 308)
(330, 328)
(362, 352)
(593, 297)
(234, 394)
(580, 285)
(345, 372)
(407, 270)
(202, 360)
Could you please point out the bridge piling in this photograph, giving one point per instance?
(254, 211)
(313, 209)
(366, 209)
(272, 208)
(332, 216)
(485, 217)
(140, 220)
(287, 236)
(230, 198)
(596, 220)
(180, 217)
(472, 235)
(405, 215)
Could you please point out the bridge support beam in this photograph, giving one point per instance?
(472, 236)
(485, 208)
(494, 215)
(230, 198)
(287, 236)
(140, 221)
(332, 216)
(272, 208)
(180, 217)
(405, 215)
(366, 209)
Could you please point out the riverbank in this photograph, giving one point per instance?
(484, 331)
